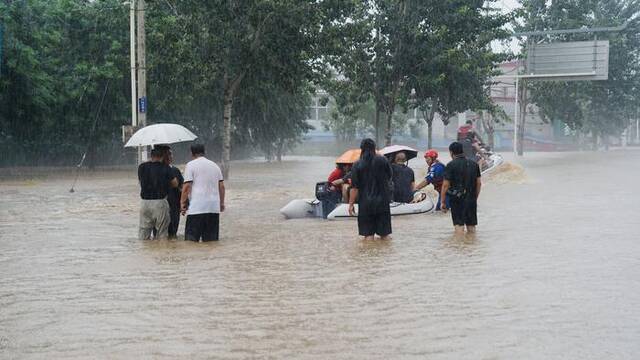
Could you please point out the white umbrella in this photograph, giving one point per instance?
(392, 149)
(157, 134)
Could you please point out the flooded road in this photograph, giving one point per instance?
(554, 271)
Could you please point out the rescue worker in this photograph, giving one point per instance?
(435, 174)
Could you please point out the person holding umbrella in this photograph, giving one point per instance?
(156, 179)
(370, 179)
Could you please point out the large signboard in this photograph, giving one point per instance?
(568, 61)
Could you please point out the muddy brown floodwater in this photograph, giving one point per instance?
(553, 273)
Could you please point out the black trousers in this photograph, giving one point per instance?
(203, 227)
(174, 215)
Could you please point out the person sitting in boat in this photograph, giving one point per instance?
(340, 180)
(403, 179)
(435, 174)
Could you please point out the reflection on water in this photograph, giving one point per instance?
(552, 272)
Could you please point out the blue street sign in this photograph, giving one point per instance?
(142, 104)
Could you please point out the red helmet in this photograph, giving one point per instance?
(431, 153)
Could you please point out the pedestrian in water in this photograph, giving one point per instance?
(202, 197)
(371, 186)
(173, 197)
(461, 186)
(156, 180)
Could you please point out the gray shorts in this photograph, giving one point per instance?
(154, 214)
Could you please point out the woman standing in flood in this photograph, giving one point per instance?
(370, 185)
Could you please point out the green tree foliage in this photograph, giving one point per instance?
(202, 57)
(454, 70)
(59, 56)
(429, 54)
(601, 108)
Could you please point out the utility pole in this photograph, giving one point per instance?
(132, 56)
(142, 71)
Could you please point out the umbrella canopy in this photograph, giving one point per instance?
(349, 157)
(392, 149)
(160, 134)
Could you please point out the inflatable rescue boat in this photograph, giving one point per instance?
(325, 207)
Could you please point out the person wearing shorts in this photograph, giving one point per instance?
(202, 197)
(461, 186)
(370, 185)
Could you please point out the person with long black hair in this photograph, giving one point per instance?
(371, 186)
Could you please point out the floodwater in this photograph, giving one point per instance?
(553, 272)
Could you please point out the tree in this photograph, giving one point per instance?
(372, 62)
(59, 57)
(433, 55)
(599, 108)
(456, 65)
(245, 38)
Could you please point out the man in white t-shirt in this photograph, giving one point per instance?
(202, 197)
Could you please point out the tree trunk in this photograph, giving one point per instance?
(387, 136)
(491, 133)
(489, 129)
(91, 155)
(226, 133)
(230, 88)
(377, 123)
(280, 150)
(522, 118)
(428, 118)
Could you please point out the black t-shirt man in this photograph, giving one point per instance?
(155, 180)
(173, 196)
(403, 178)
(461, 186)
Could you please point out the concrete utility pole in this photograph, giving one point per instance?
(132, 56)
(142, 72)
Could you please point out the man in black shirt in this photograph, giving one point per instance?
(370, 181)
(173, 196)
(403, 179)
(462, 186)
(156, 179)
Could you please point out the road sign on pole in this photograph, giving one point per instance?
(568, 61)
(142, 104)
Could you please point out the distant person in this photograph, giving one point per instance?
(435, 174)
(465, 130)
(370, 179)
(202, 197)
(403, 179)
(468, 148)
(173, 197)
(340, 180)
(156, 180)
(461, 186)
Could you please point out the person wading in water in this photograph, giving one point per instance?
(370, 185)
(461, 186)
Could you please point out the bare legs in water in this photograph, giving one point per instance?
(459, 229)
(372, 237)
